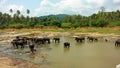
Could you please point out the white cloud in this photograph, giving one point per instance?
(4, 7)
(15, 7)
(46, 7)
(3, 1)
(118, 7)
(46, 3)
(64, 6)
(116, 1)
(98, 2)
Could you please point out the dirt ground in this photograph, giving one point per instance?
(12, 62)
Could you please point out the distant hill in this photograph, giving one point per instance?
(59, 16)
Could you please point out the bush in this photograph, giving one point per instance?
(117, 23)
(66, 25)
(38, 26)
(102, 23)
(16, 25)
(98, 23)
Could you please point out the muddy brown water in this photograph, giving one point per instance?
(99, 54)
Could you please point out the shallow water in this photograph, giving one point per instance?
(99, 54)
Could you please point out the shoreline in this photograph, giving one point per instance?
(8, 36)
(7, 61)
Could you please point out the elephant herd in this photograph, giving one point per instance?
(21, 42)
(89, 38)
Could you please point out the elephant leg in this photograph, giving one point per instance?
(80, 40)
(17, 46)
(14, 46)
(22, 46)
(49, 41)
(116, 44)
(58, 41)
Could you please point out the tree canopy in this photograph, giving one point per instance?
(100, 19)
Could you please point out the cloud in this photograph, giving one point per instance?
(64, 6)
(4, 7)
(3, 2)
(118, 7)
(116, 1)
(46, 7)
(98, 2)
(15, 7)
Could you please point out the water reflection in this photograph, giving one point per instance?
(117, 47)
(66, 49)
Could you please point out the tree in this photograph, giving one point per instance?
(102, 9)
(28, 12)
(11, 11)
(18, 12)
(18, 15)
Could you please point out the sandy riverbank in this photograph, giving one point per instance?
(8, 36)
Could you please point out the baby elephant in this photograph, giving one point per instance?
(117, 42)
(67, 44)
(32, 48)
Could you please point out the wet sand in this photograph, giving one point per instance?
(7, 61)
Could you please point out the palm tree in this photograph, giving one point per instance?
(18, 12)
(11, 11)
(28, 12)
(18, 15)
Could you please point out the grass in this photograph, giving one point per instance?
(106, 30)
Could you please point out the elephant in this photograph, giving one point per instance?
(80, 39)
(16, 43)
(46, 40)
(117, 42)
(19, 41)
(42, 40)
(39, 41)
(67, 44)
(90, 38)
(13, 42)
(31, 46)
(56, 40)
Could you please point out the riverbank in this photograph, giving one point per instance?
(7, 61)
(6, 35)
(104, 30)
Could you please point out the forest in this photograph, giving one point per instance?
(100, 19)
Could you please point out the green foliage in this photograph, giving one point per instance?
(39, 26)
(116, 23)
(101, 19)
(101, 23)
(76, 24)
(98, 23)
(16, 25)
(66, 25)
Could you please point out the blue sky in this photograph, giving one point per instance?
(46, 7)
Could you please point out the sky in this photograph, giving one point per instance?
(47, 7)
